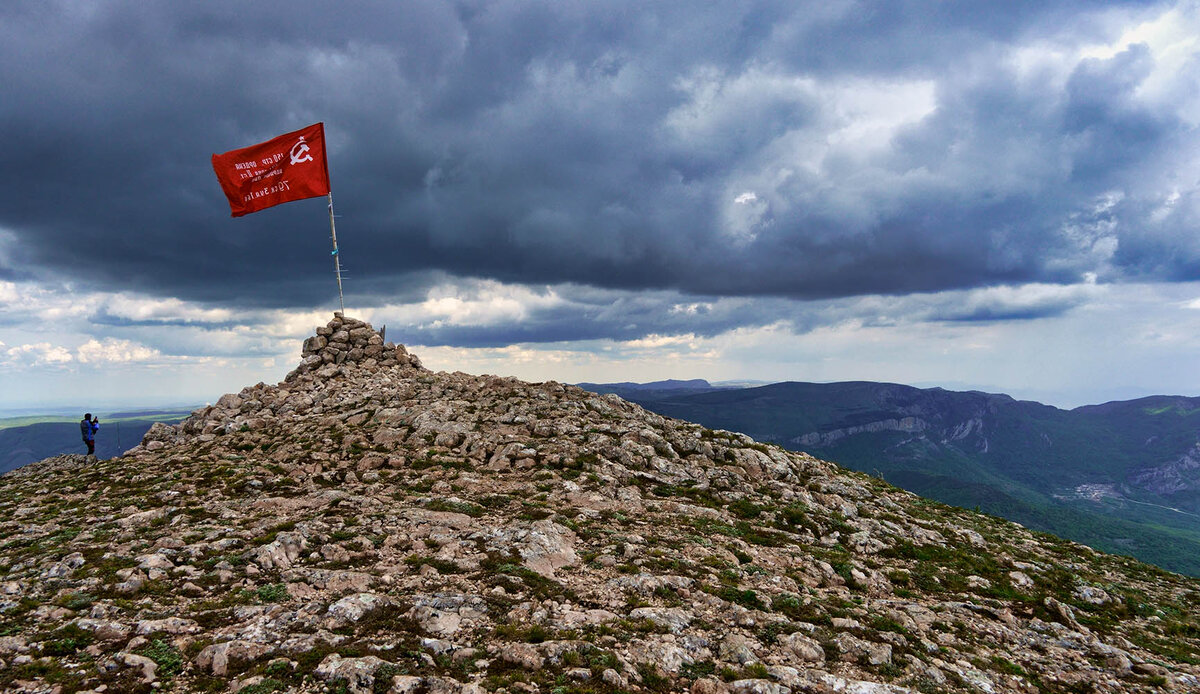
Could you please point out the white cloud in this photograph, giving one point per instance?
(660, 342)
(1028, 299)
(866, 114)
(692, 308)
(114, 351)
(37, 354)
(42, 303)
(141, 308)
(530, 362)
(1173, 40)
(473, 302)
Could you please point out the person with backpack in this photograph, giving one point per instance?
(88, 428)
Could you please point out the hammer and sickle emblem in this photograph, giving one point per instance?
(300, 152)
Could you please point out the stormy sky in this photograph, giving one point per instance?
(1000, 196)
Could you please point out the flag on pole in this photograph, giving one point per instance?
(286, 168)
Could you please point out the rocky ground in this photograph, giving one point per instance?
(370, 526)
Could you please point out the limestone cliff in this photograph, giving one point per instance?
(370, 526)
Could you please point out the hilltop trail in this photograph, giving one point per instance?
(368, 525)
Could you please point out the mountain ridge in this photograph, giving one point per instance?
(1095, 473)
(368, 525)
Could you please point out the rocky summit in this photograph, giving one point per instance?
(368, 525)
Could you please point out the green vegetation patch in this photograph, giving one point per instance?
(535, 583)
(443, 566)
(67, 640)
(745, 598)
(703, 497)
(744, 508)
(166, 656)
(741, 529)
(944, 569)
(272, 592)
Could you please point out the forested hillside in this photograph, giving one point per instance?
(1123, 476)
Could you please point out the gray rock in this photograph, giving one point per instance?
(105, 629)
(168, 625)
(353, 608)
(673, 618)
(148, 667)
(856, 650)
(735, 648)
(757, 686)
(358, 674)
(807, 649)
(280, 553)
(216, 658)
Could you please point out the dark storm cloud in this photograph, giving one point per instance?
(601, 144)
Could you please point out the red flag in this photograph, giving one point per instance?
(289, 167)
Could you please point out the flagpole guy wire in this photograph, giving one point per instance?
(337, 261)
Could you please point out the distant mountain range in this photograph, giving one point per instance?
(1123, 476)
(24, 440)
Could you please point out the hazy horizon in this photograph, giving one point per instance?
(74, 408)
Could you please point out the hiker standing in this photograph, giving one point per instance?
(88, 428)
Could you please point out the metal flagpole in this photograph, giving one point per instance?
(337, 262)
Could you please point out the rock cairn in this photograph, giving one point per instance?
(369, 526)
(350, 340)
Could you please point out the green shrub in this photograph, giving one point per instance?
(272, 592)
(653, 680)
(745, 598)
(698, 670)
(743, 508)
(785, 602)
(67, 640)
(443, 566)
(383, 678)
(166, 656)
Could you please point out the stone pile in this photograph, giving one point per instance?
(368, 525)
(348, 339)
